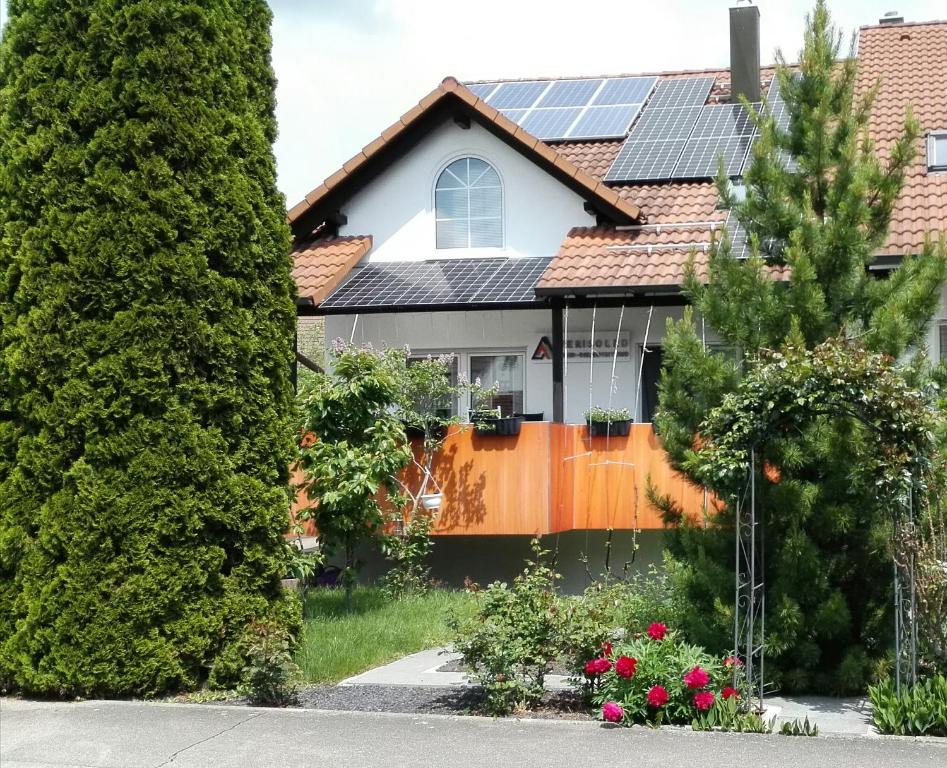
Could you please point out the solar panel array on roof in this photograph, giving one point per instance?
(739, 247)
(656, 141)
(444, 281)
(557, 110)
(780, 113)
(723, 134)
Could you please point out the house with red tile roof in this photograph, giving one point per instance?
(539, 231)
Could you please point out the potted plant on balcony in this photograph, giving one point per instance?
(604, 422)
(489, 419)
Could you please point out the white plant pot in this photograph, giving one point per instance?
(431, 500)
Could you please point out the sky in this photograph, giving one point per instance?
(347, 69)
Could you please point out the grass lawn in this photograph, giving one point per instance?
(336, 644)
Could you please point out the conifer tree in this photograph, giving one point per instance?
(819, 198)
(146, 321)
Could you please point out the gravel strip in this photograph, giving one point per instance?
(423, 700)
(457, 665)
(426, 700)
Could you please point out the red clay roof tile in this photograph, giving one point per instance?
(909, 63)
(602, 258)
(319, 267)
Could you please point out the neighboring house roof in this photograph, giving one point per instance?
(319, 267)
(651, 259)
(432, 110)
(909, 60)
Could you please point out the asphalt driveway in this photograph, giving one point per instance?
(114, 734)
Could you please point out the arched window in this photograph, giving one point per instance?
(468, 205)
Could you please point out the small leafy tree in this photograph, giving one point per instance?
(425, 405)
(351, 450)
(814, 225)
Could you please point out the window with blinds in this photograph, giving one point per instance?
(468, 204)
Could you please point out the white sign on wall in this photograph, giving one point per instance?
(581, 346)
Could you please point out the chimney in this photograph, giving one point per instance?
(891, 17)
(745, 51)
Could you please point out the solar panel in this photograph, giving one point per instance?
(516, 115)
(569, 93)
(550, 123)
(440, 282)
(624, 90)
(681, 92)
(605, 107)
(701, 157)
(723, 121)
(482, 90)
(739, 246)
(604, 122)
(520, 95)
(780, 113)
(646, 160)
(664, 124)
(655, 142)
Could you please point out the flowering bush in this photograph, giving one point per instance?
(509, 643)
(657, 678)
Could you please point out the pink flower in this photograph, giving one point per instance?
(657, 696)
(704, 700)
(625, 666)
(696, 678)
(732, 661)
(612, 712)
(598, 666)
(657, 630)
(729, 692)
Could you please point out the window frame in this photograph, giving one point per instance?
(941, 325)
(467, 251)
(932, 140)
(496, 352)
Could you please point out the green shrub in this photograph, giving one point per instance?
(146, 326)
(271, 676)
(657, 678)
(409, 573)
(920, 710)
(508, 644)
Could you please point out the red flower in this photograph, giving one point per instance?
(625, 666)
(612, 712)
(732, 661)
(307, 440)
(606, 648)
(657, 630)
(657, 696)
(704, 700)
(696, 678)
(729, 692)
(598, 666)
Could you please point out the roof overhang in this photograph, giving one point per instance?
(451, 101)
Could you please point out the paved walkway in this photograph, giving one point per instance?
(422, 669)
(849, 717)
(113, 734)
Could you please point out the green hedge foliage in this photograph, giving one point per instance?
(146, 324)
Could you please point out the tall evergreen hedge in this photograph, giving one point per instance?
(146, 340)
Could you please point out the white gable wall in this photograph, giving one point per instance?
(397, 207)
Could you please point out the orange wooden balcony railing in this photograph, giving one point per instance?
(553, 478)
